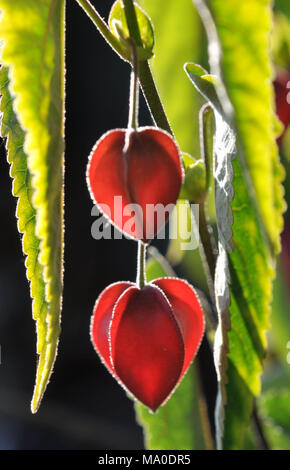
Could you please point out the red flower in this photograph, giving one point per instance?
(148, 337)
(143, 167)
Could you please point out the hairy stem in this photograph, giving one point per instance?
(206, 132)
(145, 76)
(134, 90)
(101, 25)
(152, 97)
(141, 265)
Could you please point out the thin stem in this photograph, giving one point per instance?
(208, 257)
(132, 23)
(141, 265)
(207, 246)
(207, 241)
(134, 90)
(102, 26)
(145, 76)
(206, 130)
(152, 97)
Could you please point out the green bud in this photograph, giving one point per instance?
(194, 184)
(118, 26)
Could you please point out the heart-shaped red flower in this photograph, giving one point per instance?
(140, 167)
(148, 337)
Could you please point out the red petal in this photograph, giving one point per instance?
(281, 93)
(101, 319)
(107, 178)
(188, 313)
(155, 173)
(146, 345)
(149, 173)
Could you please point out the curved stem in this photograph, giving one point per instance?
(102, 26)
(141, 265)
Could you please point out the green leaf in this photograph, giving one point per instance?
(276, 405)
(224, 149)
(176, 425)
(25, 211)
(247, 77)
(157, 266)
(204, 83)
(33, 37)
(283, 6)
(119, 27)
(280, 321)
(275, 409)
(178, 38)
(181, 423)
(246, 96)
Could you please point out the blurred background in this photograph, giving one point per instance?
(84, 408)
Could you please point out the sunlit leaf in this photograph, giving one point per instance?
(33, 48)
(246, 98)
(249, 96)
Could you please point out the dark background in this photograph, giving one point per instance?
(83, 408)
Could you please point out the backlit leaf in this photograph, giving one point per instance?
(245, 94)
(32, 34)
